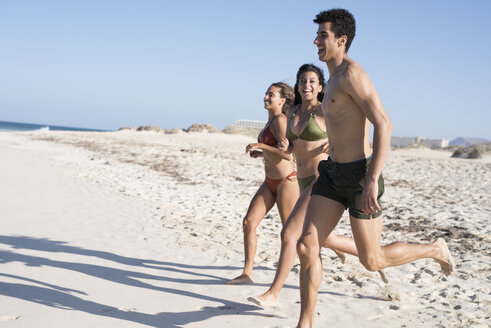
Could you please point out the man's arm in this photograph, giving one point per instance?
(358, 85)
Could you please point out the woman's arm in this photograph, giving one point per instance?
(285, 145)
(256, 153)
(261, 146)
(278, 129)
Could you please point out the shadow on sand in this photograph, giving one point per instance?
(65, 298)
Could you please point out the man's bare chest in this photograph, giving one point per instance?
(336, 101)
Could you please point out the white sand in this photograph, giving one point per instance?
(133, 229)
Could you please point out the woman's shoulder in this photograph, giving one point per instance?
(279, 123)
(292, 109)
(280, 119)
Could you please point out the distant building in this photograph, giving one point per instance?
(394, 141)
(407, 141)
(435, 143)
(402, 141)
(250, 124)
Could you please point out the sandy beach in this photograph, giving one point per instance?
(142, 229)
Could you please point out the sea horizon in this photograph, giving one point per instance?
(6, 126)
(19, 126)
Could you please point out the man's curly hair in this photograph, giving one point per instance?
(342, 23)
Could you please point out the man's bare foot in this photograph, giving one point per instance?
(243, 279)
(264, 300)
(446, 260)
(341, 255)
(383, 276)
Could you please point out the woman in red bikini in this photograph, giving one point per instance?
(280, 185)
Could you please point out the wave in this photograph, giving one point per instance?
(14, 126)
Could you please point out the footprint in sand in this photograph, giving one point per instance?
(264, 302)
(9, 317)
(125, 309)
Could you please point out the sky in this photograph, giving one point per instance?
(106, 64)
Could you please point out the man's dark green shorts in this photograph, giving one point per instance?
(344, 182)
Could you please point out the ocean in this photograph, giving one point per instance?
(15, 126)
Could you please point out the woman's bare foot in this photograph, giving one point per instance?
(383, 276)
(341, 255)
(243, 279)
(445, 259)
(264, 300)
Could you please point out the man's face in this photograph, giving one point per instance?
(326, 42)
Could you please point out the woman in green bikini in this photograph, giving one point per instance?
(307, 138)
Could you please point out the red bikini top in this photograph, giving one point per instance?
(266, 136)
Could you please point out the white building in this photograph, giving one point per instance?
(435, 143)
(402, 141)
(250, 124)
(406, 141)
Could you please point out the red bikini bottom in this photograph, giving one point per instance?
(273, 184)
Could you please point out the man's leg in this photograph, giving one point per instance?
(373, 256)
(322, 216)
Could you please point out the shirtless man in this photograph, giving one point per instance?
(352, 176)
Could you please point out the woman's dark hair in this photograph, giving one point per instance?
(309, 68)
(342, 23)
(286, 92)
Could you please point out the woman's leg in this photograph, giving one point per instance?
(289, 236)
(260, 204)
(287, 196)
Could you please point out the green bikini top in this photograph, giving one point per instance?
(312, 131)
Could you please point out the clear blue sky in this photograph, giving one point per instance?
(106, 64)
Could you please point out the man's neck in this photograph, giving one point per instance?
(334, 65)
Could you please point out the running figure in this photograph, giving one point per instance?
(352, 176)
(280, 184)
